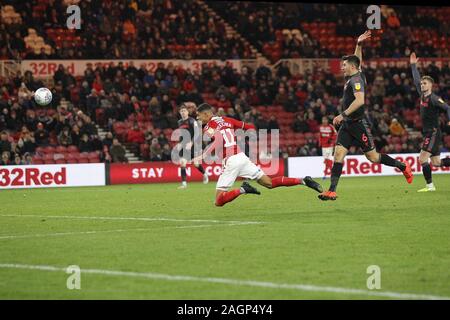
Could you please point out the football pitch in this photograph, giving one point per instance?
(157, 242)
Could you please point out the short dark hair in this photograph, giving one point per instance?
(353, 59)
(428, 78)
(183, 106)
(204, 107)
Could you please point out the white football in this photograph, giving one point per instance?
(43, 96)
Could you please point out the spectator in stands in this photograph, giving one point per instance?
(273, 124)
(261, 123)
(108, 140)
(17, 160)
(281, 97)
(396, 129)
(41, 135)
(5, 159)
(85, 145)
(313, 124)
(26, 144)
(155, 150)
(135, 135)
(166, 153)
(117, 152)
(75, 134)
(64, 138)
(96, 143)
(300, 125)
(88, 127)
(172, 121)
(5, 145)
(263, 72)
(27, 159)
(392, 21)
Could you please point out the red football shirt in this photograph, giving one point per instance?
(221, 129)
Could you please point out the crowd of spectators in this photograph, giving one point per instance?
(260, 21)
(147, 101)
(168, 29)
(111, 94)
(158, 29)
(25, 126)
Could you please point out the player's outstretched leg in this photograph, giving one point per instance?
(202, 171)
(183, 174)
(336, 170)
(276, 182)
(405, 168)
(223, 197)
(424, 158)
(426, 169)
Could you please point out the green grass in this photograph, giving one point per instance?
(376, 221)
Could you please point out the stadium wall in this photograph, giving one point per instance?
(101, 174)
(356, 166)
(52, 176)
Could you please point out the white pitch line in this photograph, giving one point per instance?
(235, 282)
(127, 218)
(59, 234)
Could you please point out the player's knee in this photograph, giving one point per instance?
(373, 157)
(436, 163)
(424, 159)
(265, 182)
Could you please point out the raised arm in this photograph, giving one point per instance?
(358, 49)
(438, 101)
(415, 72)
(240, 125)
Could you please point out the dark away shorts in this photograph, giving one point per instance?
(356, 133)
(432, 140)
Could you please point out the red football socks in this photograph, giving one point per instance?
(228, 196)
(328, 166)
(285, 181)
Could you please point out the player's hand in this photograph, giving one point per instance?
(364, 36)
(413, 59)
(337, 120)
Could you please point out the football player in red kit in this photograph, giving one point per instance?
(235, 163)
(327, 141)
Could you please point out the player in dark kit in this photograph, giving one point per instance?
(430, 107)
(354, 129)
(190, 148)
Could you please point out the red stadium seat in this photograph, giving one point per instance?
(72, 149)
(61, 149)
(48, 156)
(83, 155)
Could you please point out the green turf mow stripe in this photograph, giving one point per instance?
(59, 234)
(236, 282)
(130, 218)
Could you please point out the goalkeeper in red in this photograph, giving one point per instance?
(430, 107)
(235, 162)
